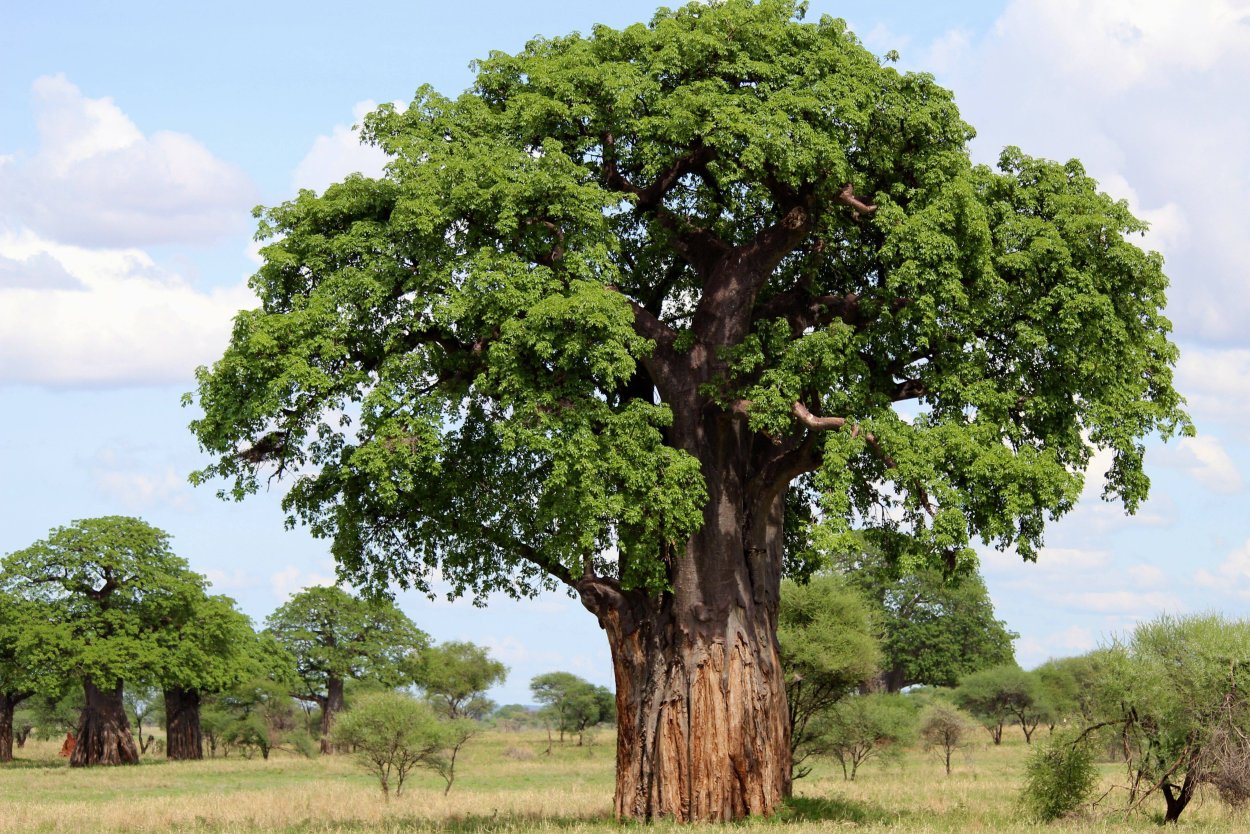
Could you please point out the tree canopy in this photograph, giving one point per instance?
(616, 312)
(455, 676)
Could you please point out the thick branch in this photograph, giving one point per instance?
(847, 195)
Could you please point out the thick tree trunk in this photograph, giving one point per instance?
(1177, 799)
(702, 722)
(183, 740)
(103, 730)
(8, 704)
(329, 711)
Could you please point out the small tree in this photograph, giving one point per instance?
(391, 733)
(999, 694)
(863, 726)
(827, 650)
(945, 729)
(455, 677)
(571, 703)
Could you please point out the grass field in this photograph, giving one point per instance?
(505, 784)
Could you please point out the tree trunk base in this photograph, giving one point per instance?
(183, 740)
(103, 730)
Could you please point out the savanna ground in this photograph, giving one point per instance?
(506, 784)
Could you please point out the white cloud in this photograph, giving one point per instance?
(1232, 576)
(1203, 458)
(1135, 604)
(40, 271)
(125, 322)
(127, 477)
(1216, 382)
(334, 156)
(1140, 91)
(291, 579)
(97, 180)
(1147, 576)
(1073, 640)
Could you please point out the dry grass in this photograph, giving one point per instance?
(498, 793)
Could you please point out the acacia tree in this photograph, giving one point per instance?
(111, 586)
(335, 636)
(455, 676)
(615, 308)
(30, 655)
(828, 649)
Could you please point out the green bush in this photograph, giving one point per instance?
(1059, 776)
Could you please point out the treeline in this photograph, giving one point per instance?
(101, 624)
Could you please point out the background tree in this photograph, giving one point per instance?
(571, 703)
(945, 728)
(335, 636)
(213, 651)
(863, 726)
(112, 586)
(935, 626)
(144, 706)
(998, 695)
(828, 649)
(456, 676)
(614, 309)
(30, 660)
(1069, 685)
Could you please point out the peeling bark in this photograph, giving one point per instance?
(103, 730)
(702, 727)
(183, 739)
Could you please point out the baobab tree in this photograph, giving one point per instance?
(618, 311)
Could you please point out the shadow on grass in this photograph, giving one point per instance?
(812, 809)
(457, 824)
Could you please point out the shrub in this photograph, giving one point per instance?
(1059, 776)
(862, 726)
(945, 728)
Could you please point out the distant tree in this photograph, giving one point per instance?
(391, 733)
(571, 703)
(945, 728)
(934, 628)
(999, 694)
(828, 649)
(1069, 685)
(512, 717)
(455, 677)
(255, 716)
(335, 636)
(214, 650)
(113, 587)
(30, 660)
(143, 703)
(863, 726)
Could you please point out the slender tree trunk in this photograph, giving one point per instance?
(702, 719)
(329, 711)
(183, 739)
(103, 730)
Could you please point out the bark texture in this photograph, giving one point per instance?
(330, 708)
(103, 730)
(702, 726)
(183, 739)
(8, 704)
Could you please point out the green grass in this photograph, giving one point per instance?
(505, 784)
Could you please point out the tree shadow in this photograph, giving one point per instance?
(834, 809)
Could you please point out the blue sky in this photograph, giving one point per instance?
(136, 137)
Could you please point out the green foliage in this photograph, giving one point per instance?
(1002, 693)
(391, 733)
(935, 626)
(572, 704)
(110, 590)
(455, 677)
(1059, 776)
(463, 358)
(827, 650)
(863, 726)
(212, 650)
(1070, 684)
(945, 728)
(333, 635)
(254, 716)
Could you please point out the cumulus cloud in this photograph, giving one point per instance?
(97, 180)
(104, 317)
(292, 579)
(1203, 458)
(335, 155)
(1140, 87)
(1216, 383)
(128, 478)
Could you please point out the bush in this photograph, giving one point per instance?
(863, 726)
(1059, 776)
(391, 733)
(945, 728)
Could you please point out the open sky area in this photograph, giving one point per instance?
(135, 138)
